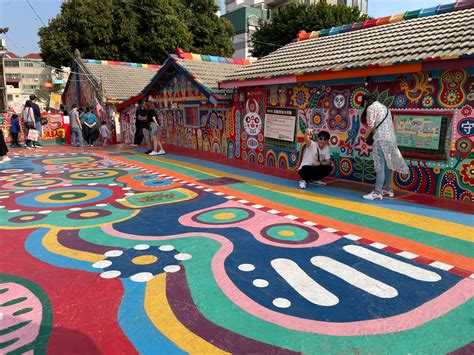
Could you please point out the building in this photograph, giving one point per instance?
(419, 64)
(189, 102)
(103, 84)
(25, 76)
(246, 14)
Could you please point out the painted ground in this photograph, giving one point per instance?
(111, 251)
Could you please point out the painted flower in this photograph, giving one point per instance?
(452, 97)
(436, 170)
(400, 101)
(467, 173)
(466, 110)
(300, 97)
(427, 101)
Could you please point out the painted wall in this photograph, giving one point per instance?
(336, 108)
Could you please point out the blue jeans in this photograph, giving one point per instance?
(384, 176)
(76, 136)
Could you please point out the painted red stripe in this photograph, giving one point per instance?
(460, 272)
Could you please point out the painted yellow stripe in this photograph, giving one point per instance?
(160, 313)
(50, 242)
(429, 224)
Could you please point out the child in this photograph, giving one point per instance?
(15, 130)
(104, 133)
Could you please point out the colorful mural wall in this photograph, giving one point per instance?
(337, 109)
(53, 132)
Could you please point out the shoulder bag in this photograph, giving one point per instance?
(370, 138)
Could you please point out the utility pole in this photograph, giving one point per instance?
(3, 85)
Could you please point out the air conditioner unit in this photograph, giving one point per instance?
(3, 43)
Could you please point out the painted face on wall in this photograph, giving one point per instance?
(252, 121)
(339, 101)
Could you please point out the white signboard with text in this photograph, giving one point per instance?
(280, 123)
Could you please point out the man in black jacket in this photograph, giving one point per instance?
(140, 122)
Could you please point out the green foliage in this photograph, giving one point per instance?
(289, 20)
(142, 31)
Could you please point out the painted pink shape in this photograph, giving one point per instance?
(261, 220)
(27, 333)
(435, 308)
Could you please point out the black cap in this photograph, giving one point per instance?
(32, 97)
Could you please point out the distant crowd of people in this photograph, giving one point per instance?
(85, 128)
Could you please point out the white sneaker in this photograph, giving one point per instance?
(154, 153)
(302, 184)
(388, 193)
(317, 183)
(161, 152)
(373, 196)
(28, 147)
(6, 159)
(39, 146)
(133, 145)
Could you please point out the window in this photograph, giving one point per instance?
(28, 65)
(12, 75)
(12, 64)
(191, 116)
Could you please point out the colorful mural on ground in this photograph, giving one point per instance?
(178, 267)
(337, 109)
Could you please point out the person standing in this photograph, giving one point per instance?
(386, 155)
(76, 127)
(156, 126)
(37, 113)
(29, 121)
(316, 163)
(140, 123)
(15, 130)
(104, 133)
(89, 127)
(3, 149)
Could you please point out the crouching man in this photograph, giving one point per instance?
(316, 163)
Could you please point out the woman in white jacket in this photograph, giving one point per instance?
(29, 121)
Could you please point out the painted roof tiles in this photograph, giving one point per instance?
(120, 80)
(418, 39)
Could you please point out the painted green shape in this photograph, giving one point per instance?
(452, 330)
(8, 343)
(22, 311)
(14, 327)
(223, 215)
(287, 232)
(39, 344)
(12, 302)
(3, 290)
(148, 199)
(178, 169)
(435, 240)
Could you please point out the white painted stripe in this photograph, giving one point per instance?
(351, 237)
(209, 190)
(243, 201)
(257, 206)
(378, 245)
(230, 197)
(471, 276)
(330, 230)
(199, 187)
(290, 216)
(309, 223)
(407, 255)
(176, 180)
(390, 263)
(442, 266)
(161, 175)
(273, 211)
(302, 283)
(354, 277)
(191, 184)
(218, 193)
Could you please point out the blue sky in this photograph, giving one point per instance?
(23, 23)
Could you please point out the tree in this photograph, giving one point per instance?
(211, 33)
(142, 31)
(289, 20)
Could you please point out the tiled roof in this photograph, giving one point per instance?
(120, 80)
(33, 56)
(442, 36)
(208, 73)
(10, 55)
